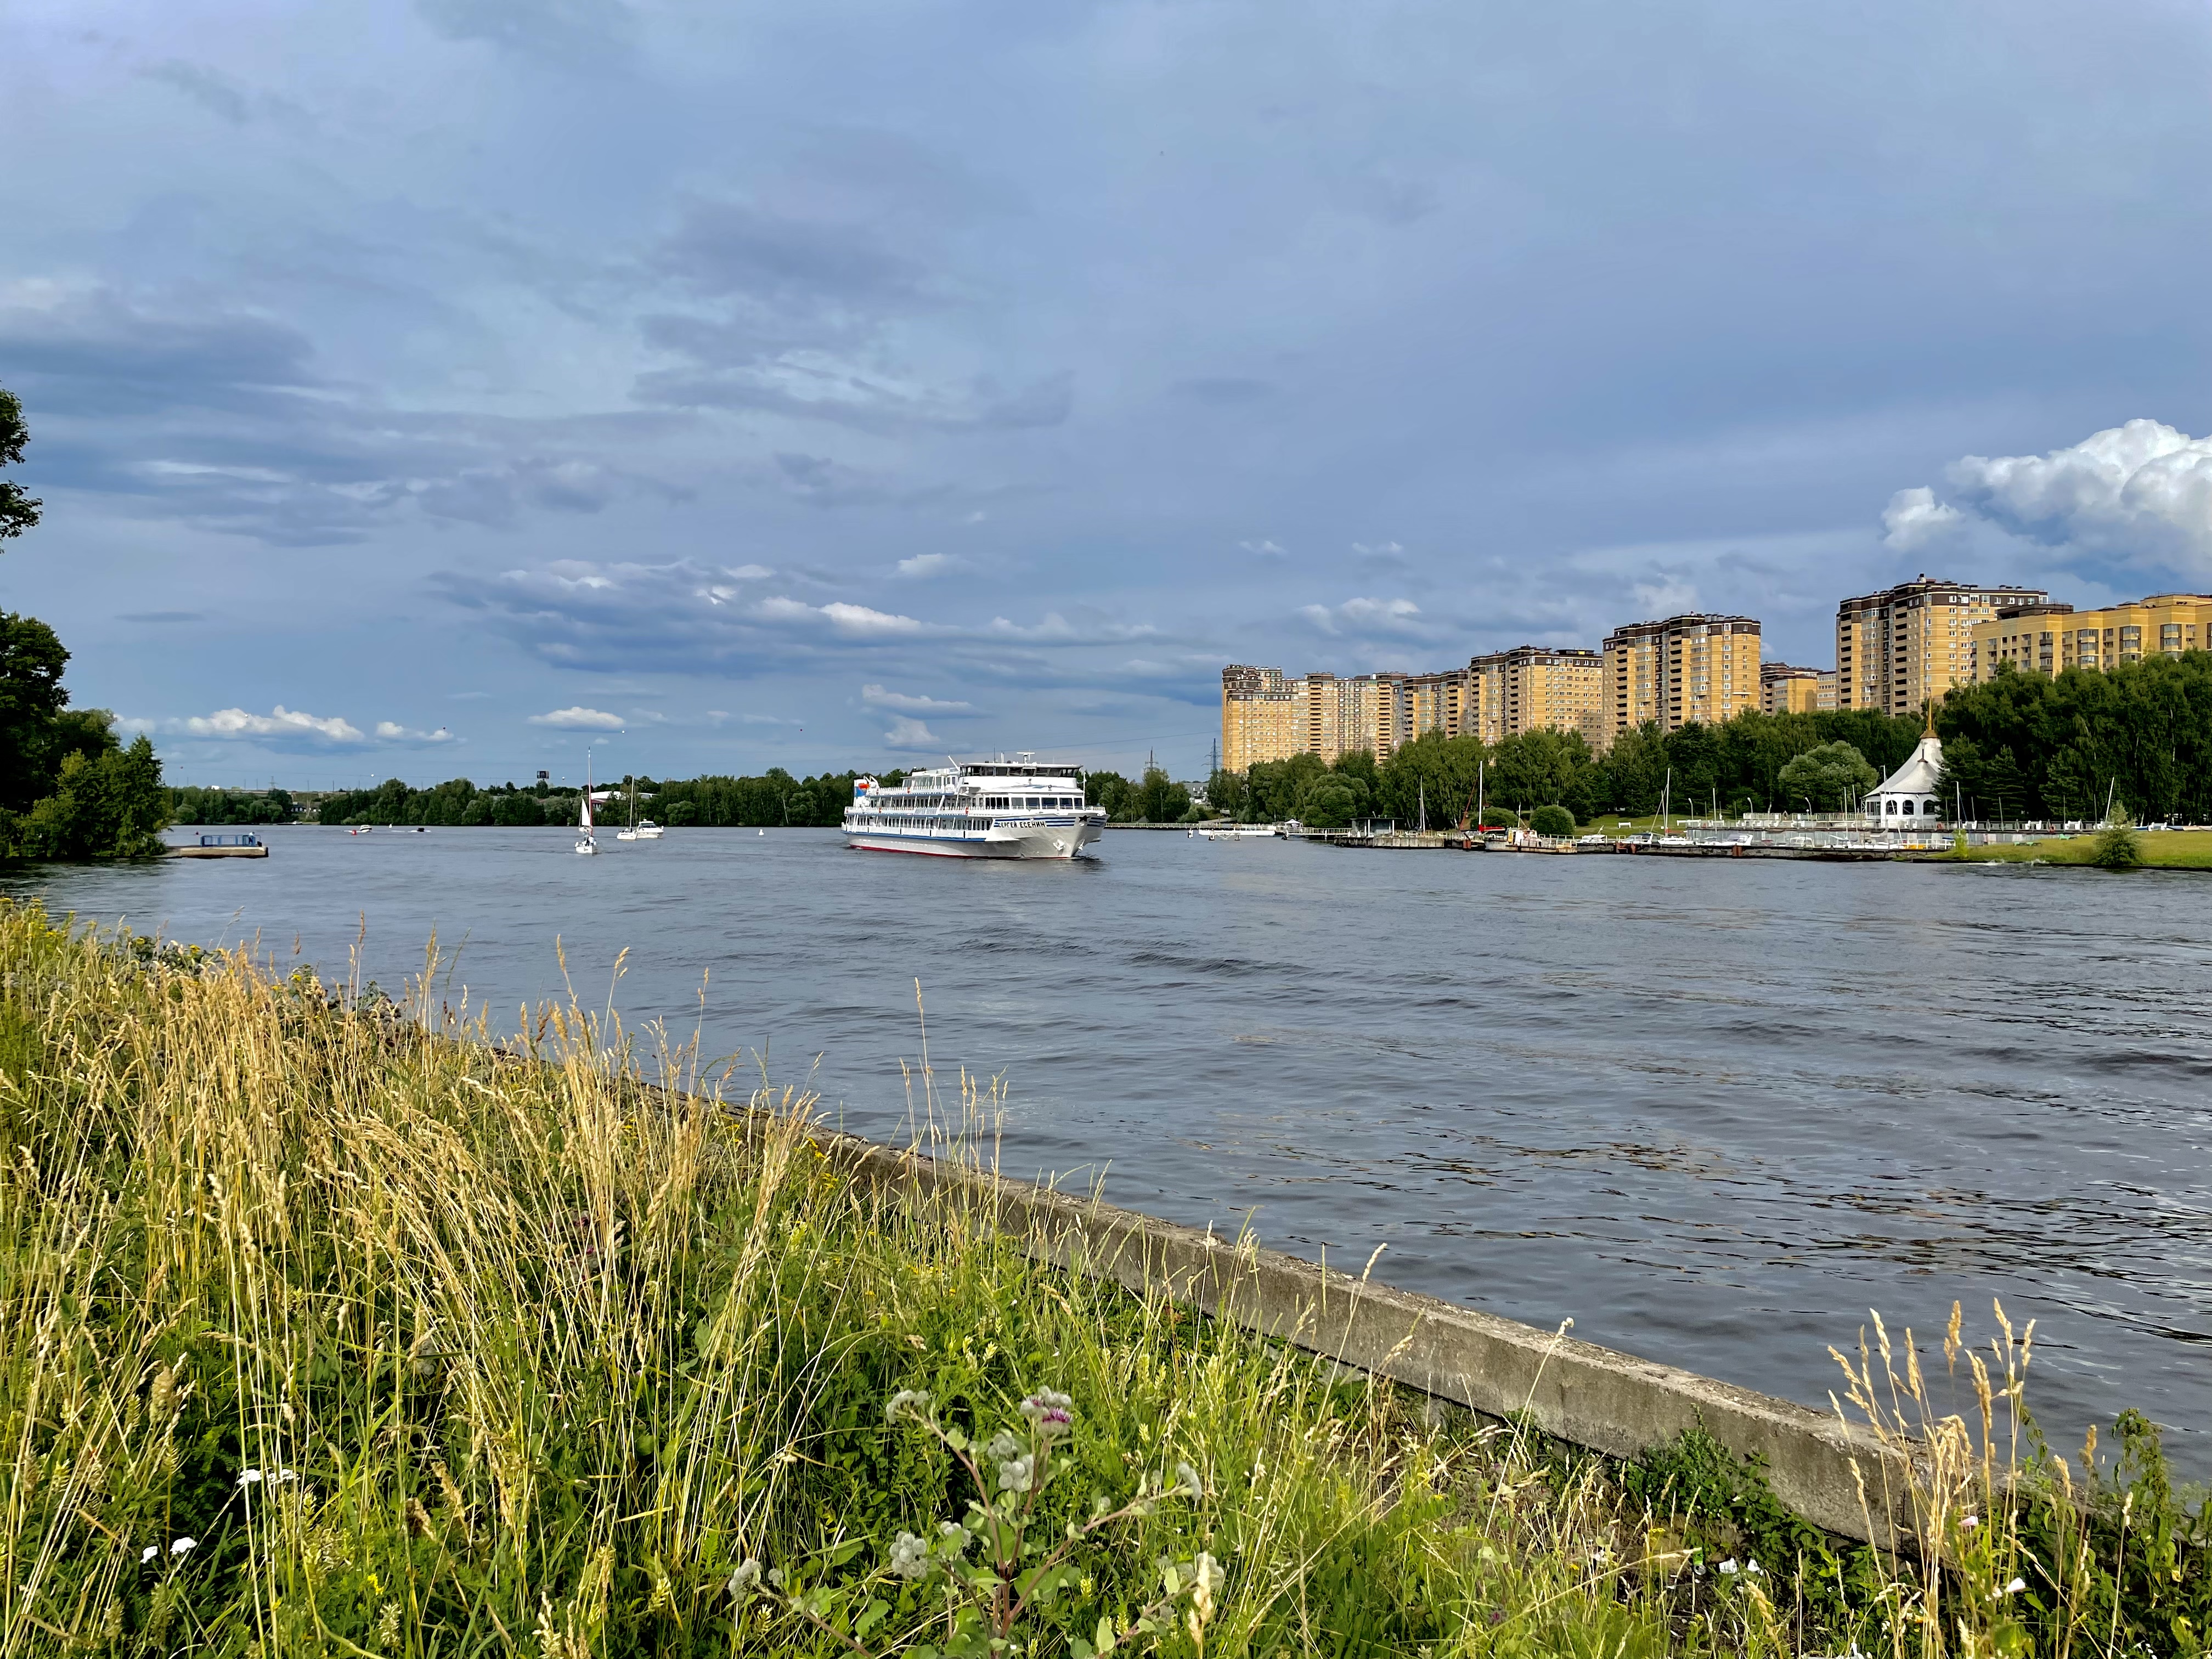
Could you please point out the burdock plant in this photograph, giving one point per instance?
(1019, 1565)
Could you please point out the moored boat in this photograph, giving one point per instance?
(997, 809)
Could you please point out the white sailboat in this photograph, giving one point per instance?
(586, 843)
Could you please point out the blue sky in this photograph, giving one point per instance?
(430, 391)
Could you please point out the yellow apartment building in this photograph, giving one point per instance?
(1900, 649)
(2048, 637)
(1684, 670)
(1533, 687)
(1266, 715)
(1261, 715)
(1786, 690)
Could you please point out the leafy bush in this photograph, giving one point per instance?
(2118, 847)
(1552, 821)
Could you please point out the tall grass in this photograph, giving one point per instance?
(328, 1327)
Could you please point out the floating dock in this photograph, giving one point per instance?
(222, 847)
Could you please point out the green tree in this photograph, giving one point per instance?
(18, 509)
(1228, 793)
(109, 807)
(2118, 845)
(1829, 778)
(1552, 821)
(1160, 799)
(1532, 768)
(1333, 801)
(31, 700)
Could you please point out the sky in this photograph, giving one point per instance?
(441, 390)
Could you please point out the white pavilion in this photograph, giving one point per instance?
(1906, 798)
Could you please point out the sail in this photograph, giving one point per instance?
(586, 819)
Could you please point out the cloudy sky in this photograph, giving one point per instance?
(432, 389)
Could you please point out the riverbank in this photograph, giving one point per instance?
(330, 1335)
(2161, 849)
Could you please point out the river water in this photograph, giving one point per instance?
(1713, 1112)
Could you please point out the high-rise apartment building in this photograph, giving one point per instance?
(1533, 687)
(1268, 716)
(2048, 637)
(1683, 671)
(1897, 650)
(1783, 689)
(1259, 716)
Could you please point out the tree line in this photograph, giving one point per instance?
(1732, 768)
(774, 798)
(2137, 737)
(69, 788)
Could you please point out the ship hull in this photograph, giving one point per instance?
(1044, 840)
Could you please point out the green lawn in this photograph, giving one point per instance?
(2162, 849)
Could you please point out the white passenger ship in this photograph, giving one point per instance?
(1000, 809)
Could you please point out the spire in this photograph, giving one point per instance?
(1929, 731)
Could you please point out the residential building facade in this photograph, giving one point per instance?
(1266, 715)
(2048, 637)
(1900, 649)
(1534, 687)
(1783, 689)
(1685, 670)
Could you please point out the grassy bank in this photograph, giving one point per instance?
(320, 1334)
(2161, 849)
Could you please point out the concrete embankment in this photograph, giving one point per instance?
(1589, 1397)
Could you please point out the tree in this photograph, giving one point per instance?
(18, 509)
(1228, 793)
(1335, 801)
(1831, 777)
(1552, 821)
(111, 807)
(2118, 845)
(31, 700)
(1160, 799)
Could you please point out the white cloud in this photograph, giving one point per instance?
(2141, 493)
(1266, 548)
(906, 734)
(393, 732)
(279, 722)
(1915, 517)
(930, 564)
(876, 696)
(1385, 550)
(859, 619)
(1365, 616)
(579, 718)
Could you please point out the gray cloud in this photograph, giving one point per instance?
(579, 34)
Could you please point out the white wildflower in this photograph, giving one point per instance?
(1750, 1567)
(249, 1477)
(2015, 1587)
(1003, 1446)
(914, 1400)
(1729, 1568)
(1015, 1473)
(745, 1579)
(285, 1475)
(184, 1545)
(1187, 1477)
(1971, 1522)
(148, 1552)
(909, 1556)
